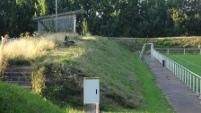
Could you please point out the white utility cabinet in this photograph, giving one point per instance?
(91, 90)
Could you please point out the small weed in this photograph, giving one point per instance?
(186, 46)
(38, 80)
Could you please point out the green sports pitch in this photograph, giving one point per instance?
(191, 62)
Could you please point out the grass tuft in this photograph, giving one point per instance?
(38, 80)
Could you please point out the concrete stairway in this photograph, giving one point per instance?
(20, 75)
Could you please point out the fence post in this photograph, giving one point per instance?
(177, 71)
(172, 67)
(184, 51)
(196, 85)
(190, 80)
(168, 51)
(185, 76)
(193, 83)
(163, 61)
(181, 75)
(200, 89)
(200, 51)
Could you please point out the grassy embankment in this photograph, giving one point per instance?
(136, 44)
(126, 83)
(14, 99)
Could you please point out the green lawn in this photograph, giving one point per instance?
(191, 62)
(14, 99)
(153, 97)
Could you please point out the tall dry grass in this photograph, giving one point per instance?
(3, 60)
(27, 48)
(3, 64)
(32, 48)
(59, 37)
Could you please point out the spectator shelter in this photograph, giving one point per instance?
(66, 22)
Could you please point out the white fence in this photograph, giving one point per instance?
(192, 80)
(180, 50)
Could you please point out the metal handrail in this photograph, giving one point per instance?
(191, 79)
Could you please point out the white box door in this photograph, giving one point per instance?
(91, 91)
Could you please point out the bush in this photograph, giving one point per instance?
(84, 27)
(165, 43)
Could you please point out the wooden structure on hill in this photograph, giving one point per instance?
(66, 22)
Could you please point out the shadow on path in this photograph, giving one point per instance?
(180, 96)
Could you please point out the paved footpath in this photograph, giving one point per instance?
(180, 96)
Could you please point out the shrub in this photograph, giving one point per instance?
(165, 43)
(84, 27)
(169, 44)
(38, 81)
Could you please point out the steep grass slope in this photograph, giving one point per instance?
(126, 83)
(14, 99)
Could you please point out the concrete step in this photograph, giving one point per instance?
(26, 87)
(16, 78)
(21, 83)
(18, 74)
(19, 69)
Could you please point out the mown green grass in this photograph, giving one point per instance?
(191, 62)
(14, 99)
(155, 101)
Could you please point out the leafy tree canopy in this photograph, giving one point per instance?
(127, 18)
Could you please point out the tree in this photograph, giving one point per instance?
(40, 8)
(152, 18)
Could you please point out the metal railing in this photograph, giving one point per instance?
(180, 50)
(191, 79)
(143, 49)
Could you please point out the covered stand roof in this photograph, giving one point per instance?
(60, 14)
(65, 22)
